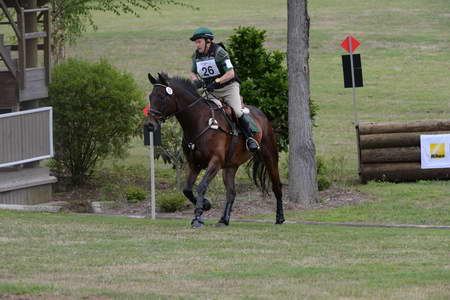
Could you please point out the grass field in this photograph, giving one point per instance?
(79, 257)
(405, 55)
(406, 61)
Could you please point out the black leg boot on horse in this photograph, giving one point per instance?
(250, 142)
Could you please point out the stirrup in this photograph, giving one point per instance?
(250, 139)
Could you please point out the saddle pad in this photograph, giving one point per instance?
(219, 104)
(216, 101)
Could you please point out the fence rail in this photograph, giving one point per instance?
(26, 136)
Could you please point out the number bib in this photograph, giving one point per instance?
(207, 68)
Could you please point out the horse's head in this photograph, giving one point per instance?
(162, 99)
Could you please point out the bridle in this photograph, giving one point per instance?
(162, 117)
(212, 122)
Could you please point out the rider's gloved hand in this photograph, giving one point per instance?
(212, 86)
(198, 83)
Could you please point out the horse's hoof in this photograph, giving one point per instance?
(197, 224)
(280, 221)
(221, 224)
(206, 204)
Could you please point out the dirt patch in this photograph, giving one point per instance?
(247, 204)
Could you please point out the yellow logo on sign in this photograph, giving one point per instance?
(437, 150)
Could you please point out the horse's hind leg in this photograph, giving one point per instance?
(270, 159)
(211, 171)
(228, 180)
(187, 190)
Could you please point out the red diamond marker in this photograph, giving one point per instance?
(346, 43)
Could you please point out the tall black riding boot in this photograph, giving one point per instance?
(250, 143)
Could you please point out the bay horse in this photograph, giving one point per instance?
(209, 143)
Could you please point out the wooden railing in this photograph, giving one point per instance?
(5, 56)
(26, 136)
(23, 37)
(27, 78)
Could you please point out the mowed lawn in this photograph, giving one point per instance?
(405, 48)
(51, 256)
(406, 61)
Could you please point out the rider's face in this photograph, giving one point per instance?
(200, 44)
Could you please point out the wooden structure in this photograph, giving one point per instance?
(25, 136)
(390, 151)
(22, 79)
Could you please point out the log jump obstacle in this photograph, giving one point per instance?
(390, 151)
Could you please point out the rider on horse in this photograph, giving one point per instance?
(212, 64)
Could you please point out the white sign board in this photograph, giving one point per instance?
(435, 151)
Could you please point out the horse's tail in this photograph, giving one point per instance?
(259, 173)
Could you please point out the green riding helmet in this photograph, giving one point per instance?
(202, 33)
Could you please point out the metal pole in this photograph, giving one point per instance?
(152, 180)
(355, 113)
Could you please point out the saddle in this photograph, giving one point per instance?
(229, 114)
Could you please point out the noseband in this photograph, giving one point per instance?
(169, 91)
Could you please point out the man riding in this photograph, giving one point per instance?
(211, 63)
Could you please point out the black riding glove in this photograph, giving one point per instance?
(212, 86)
(198, 83)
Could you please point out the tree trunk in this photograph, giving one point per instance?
(302, 164)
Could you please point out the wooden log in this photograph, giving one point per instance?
(401, 172)
(383, 155)
(404, 126)
(387, 140)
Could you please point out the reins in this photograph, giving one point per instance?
(212, 122)
(169, 91)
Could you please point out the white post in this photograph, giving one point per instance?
(355, 113)
(152, 201)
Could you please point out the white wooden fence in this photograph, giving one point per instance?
(26, 136)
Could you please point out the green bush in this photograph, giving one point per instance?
(97, 109)
(170, 201)
(135, 194)
(111, 192)
(323, 180)
(264, 79)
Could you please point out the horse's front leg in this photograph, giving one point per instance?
(211, 172)
(187, 190)
(228, 180)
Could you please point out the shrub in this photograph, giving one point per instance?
(323, 180)
(170, 201)
(171, 149)
(97, 109)
(111, 192)
(264, 78)
(135, 194)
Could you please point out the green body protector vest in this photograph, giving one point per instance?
(211, 65)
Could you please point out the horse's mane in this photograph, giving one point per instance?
(184, 83)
